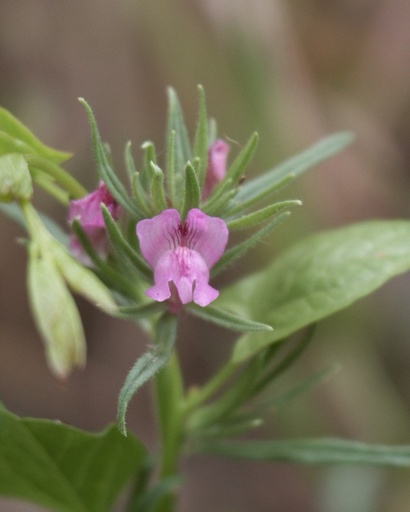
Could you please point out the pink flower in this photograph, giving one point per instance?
(87, 211)
(216, 169)
(181, 255)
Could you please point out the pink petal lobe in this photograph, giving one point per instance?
(209, 235)
(158, 235)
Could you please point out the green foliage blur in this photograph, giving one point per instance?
(295, 72)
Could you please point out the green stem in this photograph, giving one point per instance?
(70, 184)
(169, 393)
(198, 396)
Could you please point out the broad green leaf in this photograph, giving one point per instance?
(15, 179)
(315, 451)
(62, 468)
(319, 276)
(227, 319)
(148, 365)
(55, 314)
(258, 188)
(15, 129)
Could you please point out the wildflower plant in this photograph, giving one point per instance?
(150, 250)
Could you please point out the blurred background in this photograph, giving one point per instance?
(294, 71)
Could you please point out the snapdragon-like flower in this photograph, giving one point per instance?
(216, 168)
(87, 211)
(181, 254)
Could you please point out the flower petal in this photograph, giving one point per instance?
(158, 235)
(216, 169)
(207, 235)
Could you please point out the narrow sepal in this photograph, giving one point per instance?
(124, 251)
(176, 123)
(142, 201)
(258, 188)
(239, 250)
(227, 319)
(192, 190)
(104, 168)
(201, 137)
(254, 218)
(172, 184)
(157, 188)
(148, 365)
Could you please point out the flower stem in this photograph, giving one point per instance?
(169, 394)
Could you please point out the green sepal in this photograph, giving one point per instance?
(148, 364)
(258, 188)
(227, 319)
(104, 169)
(124, 251)
(201, 137)
(110, 276)
(149, 159)
(235, 171)
(192, 190)
(25, 140)
(172, 183)
(176, 123)
(254, 218)
(129, 161)
(15, 179)
(157, 188)
(55, 314)
(239, 250)
(314, 451)
(142, 201)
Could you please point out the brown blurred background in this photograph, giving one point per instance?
(294, 71)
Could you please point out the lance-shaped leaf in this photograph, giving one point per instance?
(227, 319)
(62, 468)
(319, 276)
(104, 169)
(260, 187)
(15, 179)
(315, 451)
(157, 188)
(148, 365)
(15, 129)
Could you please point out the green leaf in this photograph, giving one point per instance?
(15, 179)
(15, 129)
(148, 365)
(315, 451)
(258, 188)
(227, 319)
(319, 276)
(62, 468)
(105, 171)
